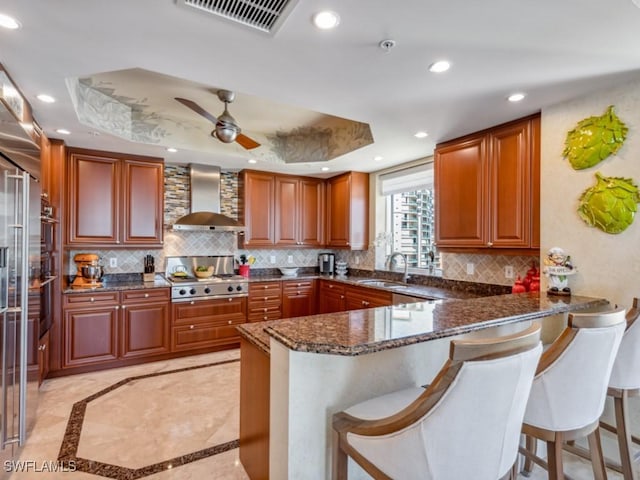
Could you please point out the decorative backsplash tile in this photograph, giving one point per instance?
(487, 268)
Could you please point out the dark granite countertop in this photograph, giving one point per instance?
(121, 282)
(360, 332)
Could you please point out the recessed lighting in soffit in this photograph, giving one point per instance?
(266, 16)
(8, 22)
(439, 66)
(516, 97)
(326, 20)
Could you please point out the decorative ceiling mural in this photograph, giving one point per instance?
(139, 105)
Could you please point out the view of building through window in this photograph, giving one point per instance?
(412, 225)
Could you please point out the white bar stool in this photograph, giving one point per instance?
(569, 390)
(465, 424)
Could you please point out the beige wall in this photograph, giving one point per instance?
(608, 265)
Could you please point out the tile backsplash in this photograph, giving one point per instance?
(487, 268)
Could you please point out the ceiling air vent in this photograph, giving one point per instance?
(264, 15)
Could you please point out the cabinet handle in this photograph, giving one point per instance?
(124, 306)
(191, 327)
(265, 287)
(230, 322)
(330, 286)
(146, 295)
(489, 244)
(265, 317)
(231, 299)
(266, 310)
(266, 298)
(117, 307)
(341, 297)
(42, 347)
(298, 293)
(117, 241)
(92, 299)
(192, 302)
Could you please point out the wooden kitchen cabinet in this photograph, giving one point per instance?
(145, 322)
(114, 200)
(348, 211)
(200, 324)
(363, 297)
(299, 211)
(331, 297)
(281, 210)
(43, 357)
(104, 328)
(265, 301)
(298, 298)
(487, 188)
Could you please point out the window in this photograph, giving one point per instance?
(410, 215)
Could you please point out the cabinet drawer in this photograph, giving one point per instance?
(261, 289)
(191, 337)
(266, 308)
(88, 299)
(263, 316)
(210, 311)
(333, 287)
(297, 285)
(144, 295)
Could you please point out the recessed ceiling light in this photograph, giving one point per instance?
(8, 22)
(377, 158)
(63, 131)
(326, 20)
(325, 169)
(421, 134)
(252, 160)
(516, 97)
(43, 97)
(439, 66)
(172, 150)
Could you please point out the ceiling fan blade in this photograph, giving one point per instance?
(246, 142)
(197, 108)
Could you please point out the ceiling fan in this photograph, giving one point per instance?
(227, 130)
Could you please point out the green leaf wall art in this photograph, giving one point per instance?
(611, 204)
(594, 139)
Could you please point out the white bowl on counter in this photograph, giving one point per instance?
(289, 271)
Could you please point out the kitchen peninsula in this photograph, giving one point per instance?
(306, 369)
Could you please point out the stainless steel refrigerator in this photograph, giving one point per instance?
(19, 287)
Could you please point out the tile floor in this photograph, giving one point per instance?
(171, 420)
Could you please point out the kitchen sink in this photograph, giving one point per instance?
(384, 284)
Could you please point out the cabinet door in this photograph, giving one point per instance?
(90, 335)
(93, 200)
(311, 213)
(338, 213)
(509, 184)
(362, 297)
(143, 202)
(298, 298)
(258, 209)
(535, 182)
(331, 297)
(286, 211)
(145, 329)
(460, 190)
(43, 357)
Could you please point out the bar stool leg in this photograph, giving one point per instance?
(597, 460)
(530, 446)
(554, 457)
(621, 405)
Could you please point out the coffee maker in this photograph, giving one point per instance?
(326, 263)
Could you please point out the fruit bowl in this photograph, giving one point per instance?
(203, 273)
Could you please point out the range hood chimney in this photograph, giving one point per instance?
(205, 203)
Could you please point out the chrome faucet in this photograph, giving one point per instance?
(405, 276)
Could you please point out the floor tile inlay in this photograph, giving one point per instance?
(151, 427)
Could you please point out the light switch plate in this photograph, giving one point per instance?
(272, 259)
(290, 259)
(113, 262)
(508, 271)
(470, 268)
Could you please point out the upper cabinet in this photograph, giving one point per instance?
(487, 188)
(114, 200)
(281, 210)
(348, 211)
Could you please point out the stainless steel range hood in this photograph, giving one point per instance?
(205, 203)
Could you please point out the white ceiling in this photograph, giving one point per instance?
(553, 50)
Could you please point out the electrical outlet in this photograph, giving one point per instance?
(290, 259)
(470, 268)
(113, 262)
(508, 271)
(272, 259)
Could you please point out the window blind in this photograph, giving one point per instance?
(419, 177)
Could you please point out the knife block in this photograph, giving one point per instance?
(149, 277)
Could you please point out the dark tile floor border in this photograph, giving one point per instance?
(71, 439)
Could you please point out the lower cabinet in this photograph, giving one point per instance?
(265, 301)
(298, 298)
(331, 297)
(105, 327)
(207, 323)
(363, 297)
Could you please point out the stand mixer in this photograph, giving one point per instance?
(89, 272)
